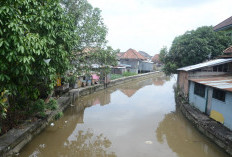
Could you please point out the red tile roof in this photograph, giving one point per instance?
(228, 50)
(223, 25)
(156, 59)
(119, 54)
(132, 54)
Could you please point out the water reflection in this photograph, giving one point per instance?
(183, 138)
(120, 121)
(66, 139)
(88, 144)
(159, 81)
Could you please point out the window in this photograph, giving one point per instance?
(219, 94)
(199, 89)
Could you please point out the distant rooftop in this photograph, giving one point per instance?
(132, 54)
(156, 59)
(205, 64)
(145, 54)
(223, 25)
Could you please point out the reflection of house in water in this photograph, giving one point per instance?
(129, 89)
(128, 92)
(183, 139)
(101, 97)
(160, 80)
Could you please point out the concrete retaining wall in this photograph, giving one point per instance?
(215, 131)
(14, 140)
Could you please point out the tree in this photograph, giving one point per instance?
(105, 58)
(31, 33)
(91, 32)
(163, 53)
(89, 23)
(194, 47)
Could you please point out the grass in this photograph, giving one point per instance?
(125, 74)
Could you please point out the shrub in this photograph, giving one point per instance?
(128, 74)
(58, 115)
(52, 104)
(38, 106)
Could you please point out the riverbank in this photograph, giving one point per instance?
(215, 131)
(14, 140)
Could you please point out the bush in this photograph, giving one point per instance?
(58, 115)
(115, 76)
(52, 104)
(128, 74)
(38, 106)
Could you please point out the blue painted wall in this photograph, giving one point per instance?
(197, 101)
(225, 108)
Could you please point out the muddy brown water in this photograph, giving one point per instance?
(136, 119)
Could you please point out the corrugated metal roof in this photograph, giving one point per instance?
(206, 64)
(222, 82)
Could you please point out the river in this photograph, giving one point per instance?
(135, 119)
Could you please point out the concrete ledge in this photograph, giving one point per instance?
(15, 139)
(75, 93)
(215, 131)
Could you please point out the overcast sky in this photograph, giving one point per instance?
(148, 25)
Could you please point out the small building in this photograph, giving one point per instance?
(118, 70)
(136, 61)
(156, 60)
(208, 87)
(213, 96)
(210, 68)
(145, 66)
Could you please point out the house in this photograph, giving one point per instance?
(208, 87)
(156, 60)
(137, 61)
(225, 26)
(145, 66)
(210, 68)
(118, 69)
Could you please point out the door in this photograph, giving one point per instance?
(209, 101)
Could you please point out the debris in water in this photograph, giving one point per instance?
(148, 142)
(66, 121)
(71, 105)
(52, 124)
(42, 145)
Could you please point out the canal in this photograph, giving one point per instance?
(136, 119)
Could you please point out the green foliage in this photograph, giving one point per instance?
(32, 31)
(194, 47)
(3, 104)
(38, 106)
(125, 74)
(52, 104)
(58, 115)
(115, 76)
(90, 27)
(163, 53)
(105, 58)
